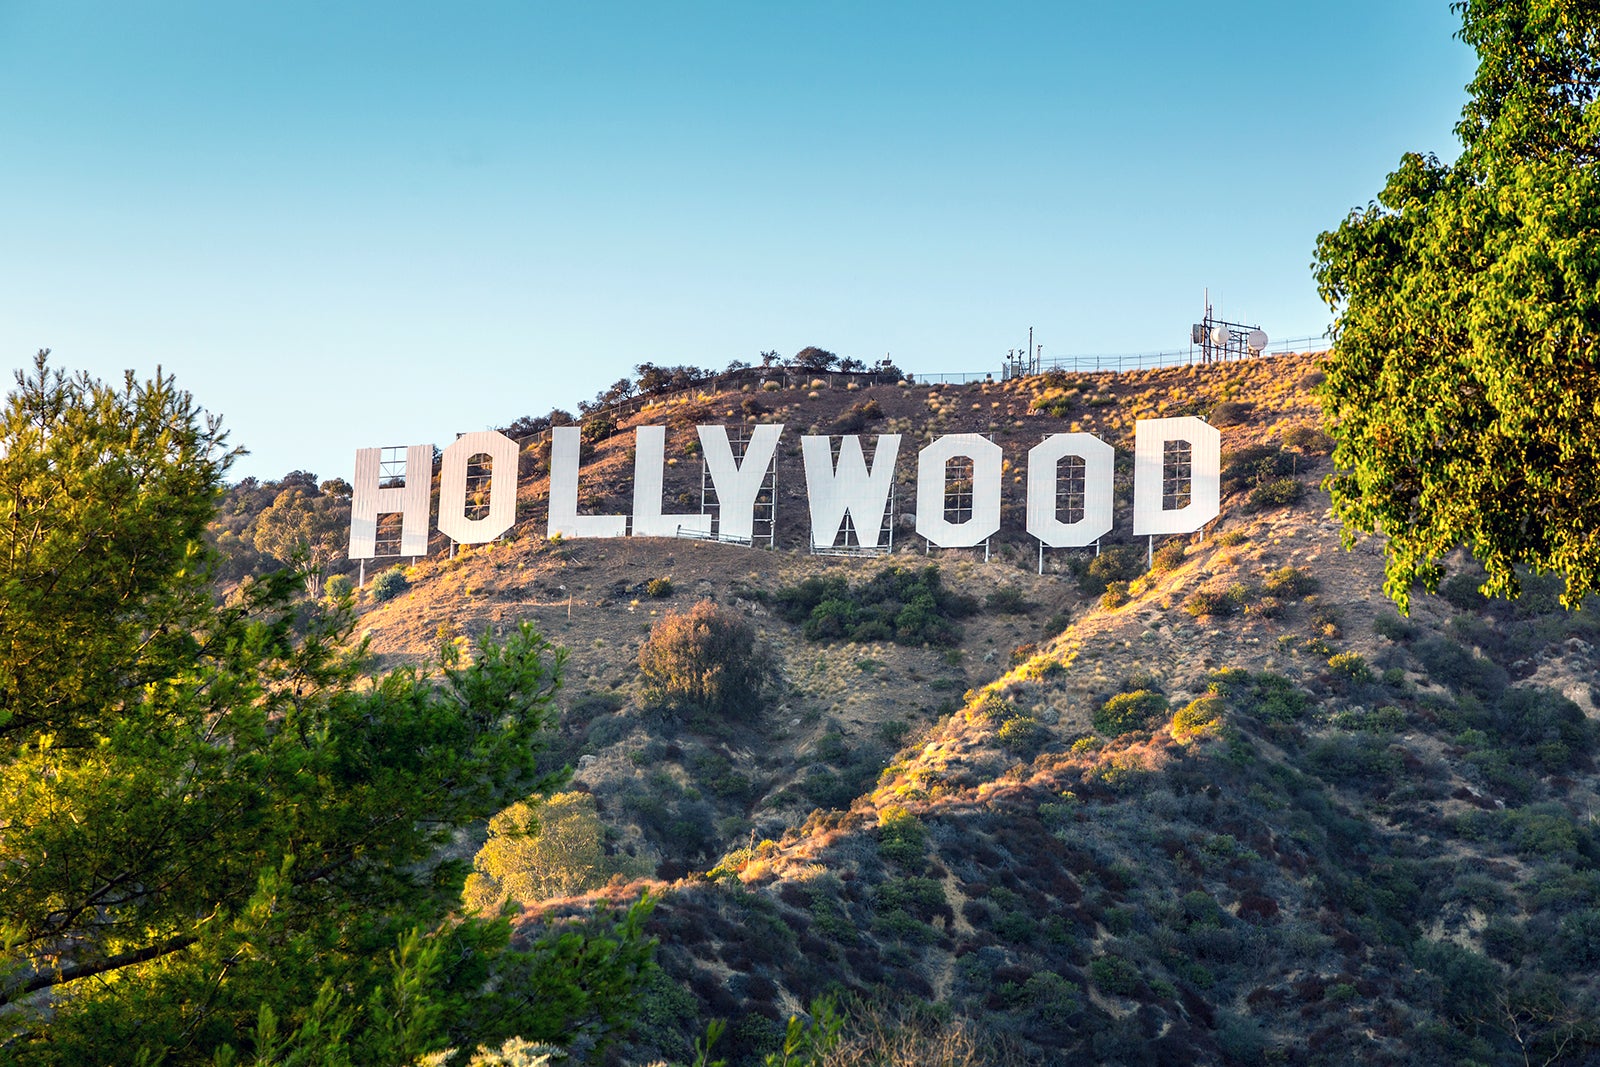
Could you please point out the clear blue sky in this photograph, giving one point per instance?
(347, 225)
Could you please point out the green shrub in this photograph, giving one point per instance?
(1544, 727)
(1169, 556)
(1056, 624)
(1127, 712)
(1202, 715)
(1457, 668)
(1277, 493)
(1008, 600)
(1291, 583)
(1115, 596)
(597, 427)
(1384, 720)
(1392, 626)
(1462, 591)
(1542, 830)
(902, 839)
(1577, 944)
(1310, 440)
(909, 607)
(1229, 413)
(1020, 733)
(704, 659)
(1254, 466)
(1219, 603)
(1349, 667)
(659, 588)
(1114, 975)
(540, 848)
(1267, 696)
(337, 587)
(390, 584)
(1352, 758)
(1116, 563)
(1052, 402)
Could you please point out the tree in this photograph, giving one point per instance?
(208, 822)
(814, 359)
(1464, 381)
(541, 848)
(306, 524)
(706, 660)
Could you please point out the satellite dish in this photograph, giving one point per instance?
(1219, 335)
(1258, 340)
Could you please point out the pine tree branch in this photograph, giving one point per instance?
(72, 972)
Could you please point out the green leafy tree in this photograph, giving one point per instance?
(542, 848)
(306, 524)
(1464, 380)
(812, 358)
(208, 822)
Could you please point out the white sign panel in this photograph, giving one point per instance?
(932, 471)
(738, 482)
(1044, 473)
(409, 500)
(453, 521)
(850, 489)
(1151, 437)
(649, 472)
(565, 443)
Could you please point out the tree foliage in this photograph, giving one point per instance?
(541, 848)
(209, 818)
(310, 525)
(912, 607)
(1464, 381)
(705, 659)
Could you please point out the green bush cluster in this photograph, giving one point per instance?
(1257, 465)
(1392, 626)
(1127, 712)
(1008, 600)
(1277, 493)
(1310, 440)
(658, 588)
(857, 418)
(390, 584)
(1115, 596)
(1219, 603)
(1385, 720)
(911, 607)
(1200, 716)
(901, 838)
(1114, 563)
(1291, 582)
(1114, 975)
(1349, 667)
(1229, 413)
(1269, 697)
(1169, 556)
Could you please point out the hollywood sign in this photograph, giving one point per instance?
(836, 487)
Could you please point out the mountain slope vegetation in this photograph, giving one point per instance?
(1207, 800)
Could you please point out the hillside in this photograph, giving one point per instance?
(1229, 809)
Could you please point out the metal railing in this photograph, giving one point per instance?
(1129, 361)
(789, 377)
